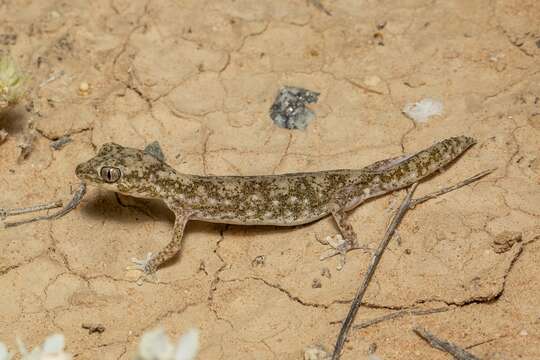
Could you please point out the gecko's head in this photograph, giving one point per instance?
(125, 170)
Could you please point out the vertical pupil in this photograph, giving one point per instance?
(109, 174)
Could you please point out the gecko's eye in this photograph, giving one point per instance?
(110, 174)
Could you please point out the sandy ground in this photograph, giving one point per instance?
(199, 77)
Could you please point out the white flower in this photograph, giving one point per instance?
(4, 353)
(52, 349)
(155, 345)
(188, 345)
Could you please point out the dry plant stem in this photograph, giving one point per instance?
(76, 200)
(398, 314)
(446, 346)
(52, 78)
(18, 211)
(320, 6)
(371, 270)
(451, 188)
(407, 204)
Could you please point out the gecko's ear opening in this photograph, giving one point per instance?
(154, 149)
(108, 147)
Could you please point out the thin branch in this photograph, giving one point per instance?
(73, 203)
(406, 205)
(4, 213)
(446, 346)
(52, 78)
(371, 270)
(398, 314)
(320, 6)
(451, 188)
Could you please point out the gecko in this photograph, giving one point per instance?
(280, 200)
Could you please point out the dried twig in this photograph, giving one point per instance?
(4, 213)
(451, 188)
(371, 270)
(398, 314)
(76, 200)
(407, 204)
(53, 77)
(320, 6)
(454, 350)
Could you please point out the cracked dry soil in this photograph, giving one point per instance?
(199, 77)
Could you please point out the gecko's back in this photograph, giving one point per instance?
(298, 198)
(285, 199)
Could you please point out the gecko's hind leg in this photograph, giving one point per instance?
(343, 242)
(346, 240)
(149, 265)
(346, 230)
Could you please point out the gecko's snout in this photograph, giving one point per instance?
(78, 170)
(82, 170)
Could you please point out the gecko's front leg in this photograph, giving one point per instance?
(149, 265)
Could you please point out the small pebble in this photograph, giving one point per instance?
(3, 135)
(59, 143)
(325, 272)
(289, 108)
(258, 261)
(84, 88)
(54, 14)
(505, 240)
(372, 80)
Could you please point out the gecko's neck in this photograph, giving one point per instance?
(171, 185)
(156, 182)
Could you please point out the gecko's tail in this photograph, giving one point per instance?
(439, 155)
(454, 146)
(426, 162)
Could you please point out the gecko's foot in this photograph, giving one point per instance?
(339, 246)
(146, 267)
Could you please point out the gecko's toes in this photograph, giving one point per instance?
(339, 246)
(146, 267)
(331, 253)
(141, 264)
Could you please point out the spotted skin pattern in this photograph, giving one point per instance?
(279, 200)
